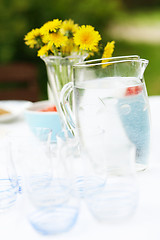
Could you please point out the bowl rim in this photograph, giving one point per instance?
(39, 105)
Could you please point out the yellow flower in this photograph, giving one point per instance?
(87, 38)
(33, 38)
(64, 38)
(46, 38)
(56, 39)
(108, 51)
(31, 43)
(68, 48)
(51, 26)
(68, 28)
(44, 51)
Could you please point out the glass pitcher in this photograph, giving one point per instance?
(110, 95)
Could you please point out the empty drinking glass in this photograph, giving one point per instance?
(80, 171)
(50, 208)
(17, 143)
(118, 198)
(102, 173)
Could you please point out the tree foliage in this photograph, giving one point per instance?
(17, 17)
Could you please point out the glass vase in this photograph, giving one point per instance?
(59, 71)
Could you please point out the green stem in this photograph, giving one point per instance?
(65, 74)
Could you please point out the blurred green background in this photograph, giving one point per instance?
(135, 26)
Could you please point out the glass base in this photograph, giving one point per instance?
(118, 201)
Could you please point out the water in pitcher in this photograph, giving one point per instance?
(118, 106)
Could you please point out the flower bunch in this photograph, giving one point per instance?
(64, 38)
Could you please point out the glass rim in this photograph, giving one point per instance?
(111, 60)
(52, 57)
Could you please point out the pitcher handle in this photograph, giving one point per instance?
(67, 112)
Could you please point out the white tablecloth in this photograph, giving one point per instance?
(145, 224)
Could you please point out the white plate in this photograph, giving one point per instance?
(15, 107)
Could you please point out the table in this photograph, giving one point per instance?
(145, 224)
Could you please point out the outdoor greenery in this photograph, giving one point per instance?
(17, 17)
(147, 51)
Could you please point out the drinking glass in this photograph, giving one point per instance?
(8, 177)
(103, 175)
(110, 94)
(50, 208)
(82, 174)
(118, 198)
(17, 143)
